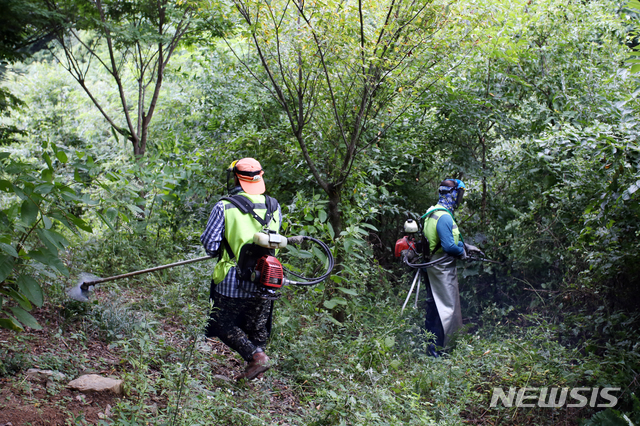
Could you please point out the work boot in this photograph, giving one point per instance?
(259, 364)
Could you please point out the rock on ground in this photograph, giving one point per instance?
(96, 383)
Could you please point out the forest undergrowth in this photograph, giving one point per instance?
(371, 369)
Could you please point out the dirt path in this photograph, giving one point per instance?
(30, 401)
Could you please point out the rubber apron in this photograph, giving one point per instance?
(443, 279)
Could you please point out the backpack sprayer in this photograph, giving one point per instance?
(265, 270)
(257, 263)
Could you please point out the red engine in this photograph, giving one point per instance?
(268, 272)
(404, 243)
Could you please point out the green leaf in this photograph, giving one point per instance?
(62, 219)
(635, 4)
(68, 195)
(4, 155)
(47, 175)
(20, 193)
(361, 231)
(322, 215)
(471, 271)
(31, 289)
(43, 189)
(6, 186)
(106, 221)
(111, 214)
(348, 291)
(26, 318)
(49, 259)
(48, 160)
(169, 197)
(62, 156)
(389, 342)
(57, 240)
(331, 231)
(11, 324)
(336, 279)
(29, 212)
(134, 209)
(47, 222)
(368, 225)
(21, 299)
(6, 266)
(301, 254)
(46, 241)
(319, 254)
(8, 248)
(80, 223)
(330, 304)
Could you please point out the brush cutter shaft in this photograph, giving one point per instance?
(445, 258)
(86, 285)
(482, 259)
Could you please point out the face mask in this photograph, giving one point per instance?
(451, 197)
(448, 197)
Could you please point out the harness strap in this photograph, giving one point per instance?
(438, 209)
(246, 206)
(428, 216)
(225, 246)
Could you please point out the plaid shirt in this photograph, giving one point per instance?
(211, 239)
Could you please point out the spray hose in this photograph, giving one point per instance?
(310, 281)
(445, 258)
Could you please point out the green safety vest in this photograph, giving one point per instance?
(238, 231)
(432, 216)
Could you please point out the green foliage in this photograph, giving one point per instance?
(342, 86)
(41, 207)
(576, 189)
(100, 37)
(611, 417)
(536, 117)
(633, 14)
(12, 363)
(23, 23)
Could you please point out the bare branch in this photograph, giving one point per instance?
(134, 137)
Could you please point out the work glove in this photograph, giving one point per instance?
(464, 254)
(408, 254)
(470, 250)
(295, 240)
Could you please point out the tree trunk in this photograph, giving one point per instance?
(335, 216)
(484, 180)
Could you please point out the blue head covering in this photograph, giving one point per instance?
(448, 199)
(448, 195)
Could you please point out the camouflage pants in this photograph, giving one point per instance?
(242, 324)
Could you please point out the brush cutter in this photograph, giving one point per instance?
(263, 269)
(82, 291)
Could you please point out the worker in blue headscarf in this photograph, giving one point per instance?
(444, 317)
